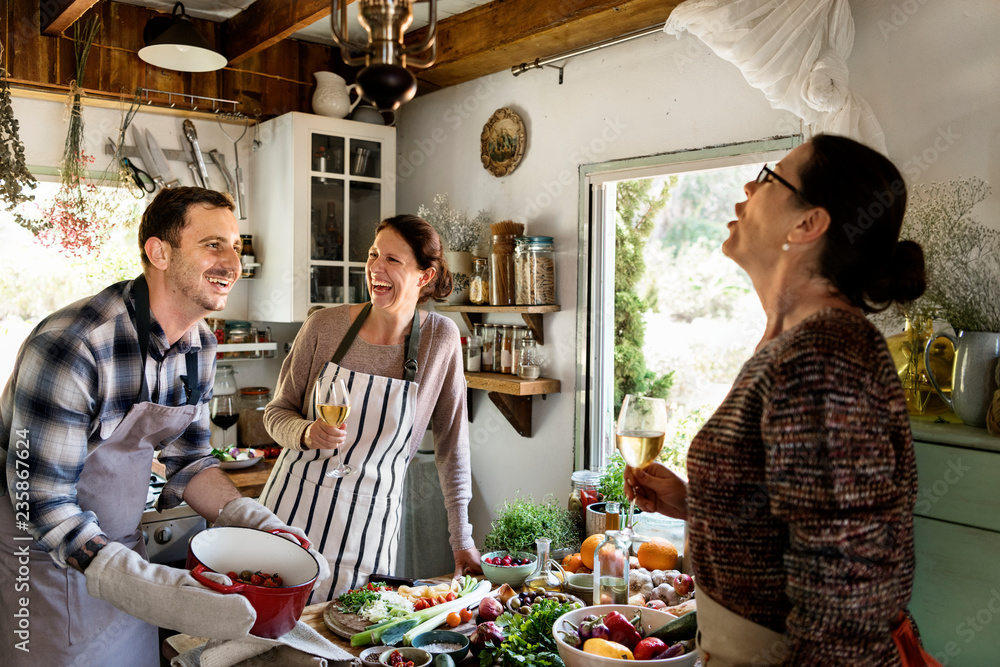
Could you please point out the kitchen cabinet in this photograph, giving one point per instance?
(511, 394)
(956, 588)
(321, 185)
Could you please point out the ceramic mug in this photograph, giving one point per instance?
(973, 383)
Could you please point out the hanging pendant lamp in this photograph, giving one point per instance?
(174, 43)
(385, 81)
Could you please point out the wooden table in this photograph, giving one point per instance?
(250, 481)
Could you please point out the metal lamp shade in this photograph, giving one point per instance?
(180, 47)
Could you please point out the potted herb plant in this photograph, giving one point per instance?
(522, 520)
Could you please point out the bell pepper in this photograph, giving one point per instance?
(622, 631)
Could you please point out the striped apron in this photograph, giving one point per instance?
(354, 520)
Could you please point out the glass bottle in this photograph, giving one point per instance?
(612, 516)
(611, 570)
(506, 350)
(488, 341)
(515, 346)
(474, 354)
(479, 286)
(502, 270)
(548, 575)
(529, 363)
(247, 257)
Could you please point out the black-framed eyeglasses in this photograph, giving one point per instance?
(763, 176)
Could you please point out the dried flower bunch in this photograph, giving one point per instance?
(458, 233)
(15, 179)
(962, 256)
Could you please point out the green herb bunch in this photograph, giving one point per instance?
(522, 520)
(612, 482)
(528, 640)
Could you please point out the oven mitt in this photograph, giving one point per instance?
(249, 513)
(166, 597)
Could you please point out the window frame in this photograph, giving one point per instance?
(595, 245)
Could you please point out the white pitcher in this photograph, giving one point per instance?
(972, 384)
(332, 97)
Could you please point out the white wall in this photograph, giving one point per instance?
(931, 82)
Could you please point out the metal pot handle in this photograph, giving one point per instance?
(210, 583)
(930, 370)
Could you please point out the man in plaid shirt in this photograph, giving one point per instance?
(98, 387)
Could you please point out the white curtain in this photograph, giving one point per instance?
(794, 51)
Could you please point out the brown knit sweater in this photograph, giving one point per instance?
(440, 397)
(801, 493)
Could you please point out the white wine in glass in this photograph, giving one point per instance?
(639, 434)
(333, 404)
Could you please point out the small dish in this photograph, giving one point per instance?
(429, 640)
(258, 456)
(512, 575)
(418, 656)
(370, 656)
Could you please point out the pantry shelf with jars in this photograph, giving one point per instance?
(511, 392)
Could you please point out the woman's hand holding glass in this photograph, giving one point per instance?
(656, 488)
(332, 405)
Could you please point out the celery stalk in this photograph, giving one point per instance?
(480, 592)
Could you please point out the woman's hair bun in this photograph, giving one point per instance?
(903, 279)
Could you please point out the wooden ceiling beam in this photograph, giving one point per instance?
(58, 15)
(504, 33)
(267, 22)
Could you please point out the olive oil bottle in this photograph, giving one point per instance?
(548, 575)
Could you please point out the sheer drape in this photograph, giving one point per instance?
(794, 51)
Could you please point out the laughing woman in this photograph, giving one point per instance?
(354, 519)
(801, 486)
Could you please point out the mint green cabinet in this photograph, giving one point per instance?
(956, 589)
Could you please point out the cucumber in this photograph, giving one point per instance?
(680, 629)
(443, 660)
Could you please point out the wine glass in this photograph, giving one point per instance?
(333, 404)
(639, 435)
(224, 414)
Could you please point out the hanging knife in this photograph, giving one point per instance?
(195, 174)
(220, 162)
(192, 137)
(147, 158)
(165, 173)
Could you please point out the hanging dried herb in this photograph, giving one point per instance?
(15, 179)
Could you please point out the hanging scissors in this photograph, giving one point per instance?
(142, 180)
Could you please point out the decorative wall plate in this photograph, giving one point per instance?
(502, 142)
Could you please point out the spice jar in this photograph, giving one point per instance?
(518, 336)
(479, 286)
(248, 259)
(506, 350)
(473, 354)
(250, 426)
(502, 270)
(535, 271)
(489, 340)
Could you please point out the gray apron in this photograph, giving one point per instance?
(354, 520)
(68, 627)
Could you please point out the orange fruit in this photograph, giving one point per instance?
(657, 554)
(588, 548)
(572, 562)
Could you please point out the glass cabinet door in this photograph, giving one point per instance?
(345, 207)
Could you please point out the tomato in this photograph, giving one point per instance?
(465, 615)
(454, 619)
(420, 604)
(450, 596)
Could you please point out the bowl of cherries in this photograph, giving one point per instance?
(502, 567)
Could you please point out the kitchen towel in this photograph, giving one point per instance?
(301, 646)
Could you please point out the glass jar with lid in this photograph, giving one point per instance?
(238, 332)
(225, 380)
(251, 431)
(506, 350)
(584, 492)
(535, 269)
(529, 362)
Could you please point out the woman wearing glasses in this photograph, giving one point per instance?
(802, 484)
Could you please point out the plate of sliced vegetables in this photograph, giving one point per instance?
(234, 458)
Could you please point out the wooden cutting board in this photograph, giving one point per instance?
(346, 625)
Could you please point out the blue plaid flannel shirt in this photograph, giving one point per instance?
(76, 376)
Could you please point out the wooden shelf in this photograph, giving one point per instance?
(473, 315)
(512, 395)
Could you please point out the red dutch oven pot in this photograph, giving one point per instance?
(234, 549)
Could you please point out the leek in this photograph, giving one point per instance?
(392, 631)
